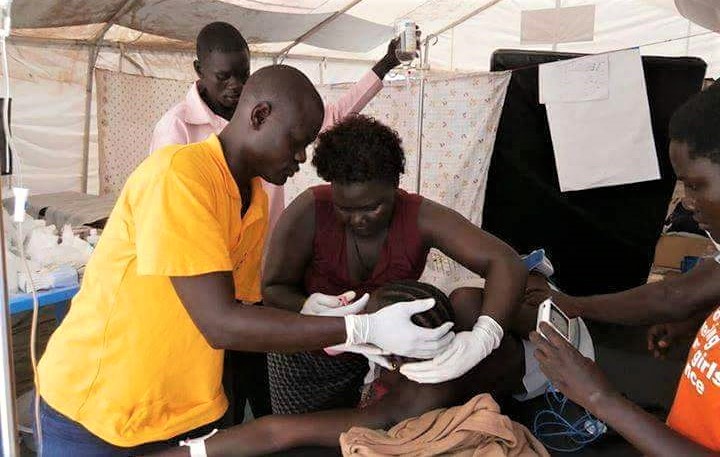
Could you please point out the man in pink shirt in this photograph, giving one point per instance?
(223, 67)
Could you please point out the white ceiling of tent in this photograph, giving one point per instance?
(271, 24)
(362, 31)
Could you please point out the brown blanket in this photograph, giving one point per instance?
(474, 429)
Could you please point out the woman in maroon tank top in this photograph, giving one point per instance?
(359, 233)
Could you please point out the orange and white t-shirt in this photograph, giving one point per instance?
(696, 410)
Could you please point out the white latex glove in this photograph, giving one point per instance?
(334, 305)
(467, 350)
(371, 352)
(381, 360)
(391, 330)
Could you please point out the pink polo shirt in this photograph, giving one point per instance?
(191, 121)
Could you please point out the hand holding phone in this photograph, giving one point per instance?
(550, 313)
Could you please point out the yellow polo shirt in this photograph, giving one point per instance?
(127, 362)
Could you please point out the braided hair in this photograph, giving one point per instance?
(406, 290)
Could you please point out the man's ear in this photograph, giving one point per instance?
(197, 67)
(259, 114)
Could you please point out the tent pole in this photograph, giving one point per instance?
(322, 67)
(421, 108)
(558, 5)
(92, 59)
(125, 8)
(8, 410)
(93, 52)
(424, 65)
(316, 28)
(63, 43)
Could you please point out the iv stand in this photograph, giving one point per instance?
(8, 412)
(424, 65)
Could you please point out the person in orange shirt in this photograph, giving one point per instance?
(693, 426)
(137, 363)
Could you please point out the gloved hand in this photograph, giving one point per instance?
(334, 305)
(467, 350)
(381, 360)
(372, 353)
(391, 330)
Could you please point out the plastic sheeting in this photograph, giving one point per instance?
(619, 24)
(270, 26)
(558, 25)
(48, 87)
(705, 13)
(58, 73)
(48, 115)
(131, 104)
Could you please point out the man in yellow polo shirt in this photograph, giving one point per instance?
(137, 362)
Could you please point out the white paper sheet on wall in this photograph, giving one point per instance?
(601, 142)
(575, 80)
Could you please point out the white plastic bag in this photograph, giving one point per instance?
(43, 248)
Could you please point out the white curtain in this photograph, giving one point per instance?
(128, 109)
(47, 87)
(131, 102)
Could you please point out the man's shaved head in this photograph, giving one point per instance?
(283, 85)
(278, 115)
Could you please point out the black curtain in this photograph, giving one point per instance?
(599, 240)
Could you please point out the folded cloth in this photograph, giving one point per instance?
(474, 429)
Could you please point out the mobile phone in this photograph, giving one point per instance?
(550, 313)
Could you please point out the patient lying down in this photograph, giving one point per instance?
(390, 398)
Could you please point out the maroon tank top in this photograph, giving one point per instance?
(403, 254)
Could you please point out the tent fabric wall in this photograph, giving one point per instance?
(396, 106)
(179, 65)
(460, 121)
(128, 108)
(120, 93)
(48, 88)
(48, 113)
(59, 71)
(600, 240)
(466, 46)
(270, 26)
